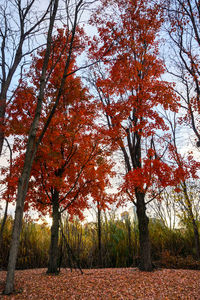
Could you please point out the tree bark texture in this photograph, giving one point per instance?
(145, 248)
(53, 265)
(16, 235)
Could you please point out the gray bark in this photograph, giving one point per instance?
(29, 157)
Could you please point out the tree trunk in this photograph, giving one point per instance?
(3, 222)
(22, 189)
(128, 226)
(2, 118)
(196, 238)
(29, 157)
(145, 249)
(99, 235)
(53, 250)
(7, 200)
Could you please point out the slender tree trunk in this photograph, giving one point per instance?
(53, 250)
(2, 118)
(145, 249)
(7, 200)
(15, 236)
(128, 226)
(3, 222)
(29, 157)
(99, 235)
(196, 238)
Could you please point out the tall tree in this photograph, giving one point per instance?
(130, 89)
(68, 166)
(67, 161)
(32, 140)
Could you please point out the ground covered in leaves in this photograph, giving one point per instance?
(105, 284)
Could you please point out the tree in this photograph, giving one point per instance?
(68, 165)
(186, 171)
(183, 31)
(182, 24)
(67, 173)
(67, 160)
(32, 141)
(130, 90)
(21, 24)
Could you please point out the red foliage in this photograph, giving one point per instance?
(131, 90)
(69, 159)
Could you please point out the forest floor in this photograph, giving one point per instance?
(123, 283)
